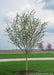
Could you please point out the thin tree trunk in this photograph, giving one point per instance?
(26, 62)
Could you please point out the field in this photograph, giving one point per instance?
(43, 67)
(22, 55)
(8, 68)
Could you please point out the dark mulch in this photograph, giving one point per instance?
(24, 72)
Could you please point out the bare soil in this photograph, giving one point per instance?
(24, 72)
(19, 51)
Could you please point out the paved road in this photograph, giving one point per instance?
(23, 59)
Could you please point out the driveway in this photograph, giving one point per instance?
(23, 59)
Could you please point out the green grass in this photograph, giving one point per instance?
(7, 68)
(22, 55)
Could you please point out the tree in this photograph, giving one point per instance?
(26, 32)
(40, 46)
(49, 46)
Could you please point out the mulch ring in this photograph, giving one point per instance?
(24, 72)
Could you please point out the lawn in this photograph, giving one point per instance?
(7, 68)
(22, 55)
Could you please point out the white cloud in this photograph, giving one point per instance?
(27, 6)
(38, 1)
(2, 27)
(48, 38)
(49, 34)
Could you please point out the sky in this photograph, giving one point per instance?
(44, 11)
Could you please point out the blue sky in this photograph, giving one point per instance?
(44, 10)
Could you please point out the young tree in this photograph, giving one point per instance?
(26, 32)
(49, 46)
(40, 46)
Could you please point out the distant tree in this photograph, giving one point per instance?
(49, 47)
(26, 32)
(40, 46)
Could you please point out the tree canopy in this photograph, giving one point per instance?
(26, 31)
